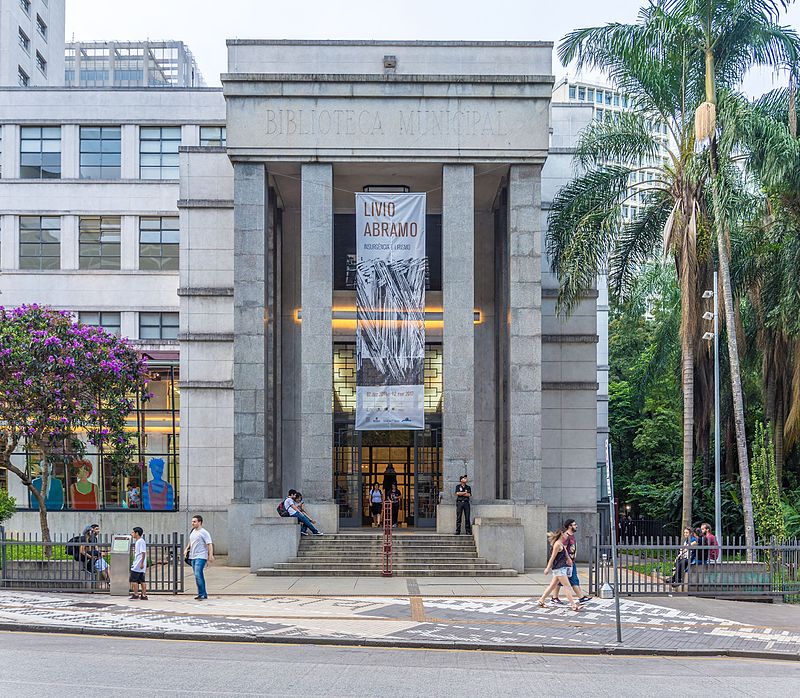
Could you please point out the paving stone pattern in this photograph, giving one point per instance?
(507, 623)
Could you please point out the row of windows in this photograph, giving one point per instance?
(151, 325)
(598, 96)
(101, 151)
(99, 242)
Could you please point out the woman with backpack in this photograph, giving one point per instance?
(561, 565)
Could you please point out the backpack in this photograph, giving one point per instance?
(73, 547)
(282, 510)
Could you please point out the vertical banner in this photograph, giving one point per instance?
(390, 311)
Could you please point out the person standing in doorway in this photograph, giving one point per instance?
(139, 566)
(571, 527)
(201, 553)
(375, 504)
(463, 495)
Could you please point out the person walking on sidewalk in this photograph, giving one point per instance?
(139, 566)
(201, 553)
(293, 505)
(571, 527)
(559, 563)
(463, 495)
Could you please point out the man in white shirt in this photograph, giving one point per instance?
(292, 506)
(201, 553)
(139, 565)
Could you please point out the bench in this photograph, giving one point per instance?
(730, 579)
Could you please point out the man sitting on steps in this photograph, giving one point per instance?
(292, 505)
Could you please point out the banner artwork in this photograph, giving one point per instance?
(390, 311)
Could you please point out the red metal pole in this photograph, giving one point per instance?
(387, 537)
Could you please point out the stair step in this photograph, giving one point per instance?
(372, 572)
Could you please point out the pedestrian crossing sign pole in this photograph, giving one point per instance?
(612, 515)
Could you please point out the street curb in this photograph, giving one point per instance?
(264, 638)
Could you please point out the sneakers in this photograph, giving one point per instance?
(555, 599)
(318, 533)
(133, 597)
(304, 533)
(584, 599)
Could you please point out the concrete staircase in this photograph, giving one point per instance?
(361, 555)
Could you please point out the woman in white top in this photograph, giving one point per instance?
(376, 504)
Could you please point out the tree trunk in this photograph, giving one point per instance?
(778, 437)
(687, 365)
(736, 376)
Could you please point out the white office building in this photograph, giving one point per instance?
(31, 42)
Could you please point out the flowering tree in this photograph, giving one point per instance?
(58, 380)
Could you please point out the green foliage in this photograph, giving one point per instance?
(767, 507)
(8, 505)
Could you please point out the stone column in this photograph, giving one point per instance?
(525, 334)
(316, 338)
(250, 263)
(458, 295)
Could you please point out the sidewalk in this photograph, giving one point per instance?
(503, 623)
(224, 580)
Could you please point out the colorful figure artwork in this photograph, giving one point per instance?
(83, 493)
(157, 494)
(54, 499)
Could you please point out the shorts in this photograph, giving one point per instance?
(561, 572)
(137, 577)
(377, 508)
(573, 576)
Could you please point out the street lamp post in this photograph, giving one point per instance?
(715, 336)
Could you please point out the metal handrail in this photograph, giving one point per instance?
(387, 537)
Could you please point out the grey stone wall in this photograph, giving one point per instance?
(458, 254)
(316, 298)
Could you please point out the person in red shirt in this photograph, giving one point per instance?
(711, 541)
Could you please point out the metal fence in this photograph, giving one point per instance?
(629, 529)
(28, 563)
(663, 565)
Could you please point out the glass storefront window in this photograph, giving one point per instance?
(151, 481)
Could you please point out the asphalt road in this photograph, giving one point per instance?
(72, 665)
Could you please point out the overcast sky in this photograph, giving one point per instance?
(205, 24)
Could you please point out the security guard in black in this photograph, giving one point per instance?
(463, 495)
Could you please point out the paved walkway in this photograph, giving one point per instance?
(503, 623)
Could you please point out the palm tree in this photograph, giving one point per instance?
(733, 36)
(648, 62)
(671, 61)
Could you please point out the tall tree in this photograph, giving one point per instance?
(733, 36)
(648, 61)
(63, 385)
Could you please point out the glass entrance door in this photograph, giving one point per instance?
(347, 474)
(428, 475)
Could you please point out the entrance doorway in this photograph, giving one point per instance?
(409, 459)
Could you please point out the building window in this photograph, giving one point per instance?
(109, 321)
(39, 242)
(616, 99)
(590, 94)
(599, 97)
(99, 242)
(41, 27)
(213, 135)
(26, 6)
(572, 91)
(158, 325)
(158, 243)
(100, 152)
(41, 63)
(40, 156)
(24, 41)
(158, 152)
(152, 480)
(22, 77)
(581, 94)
